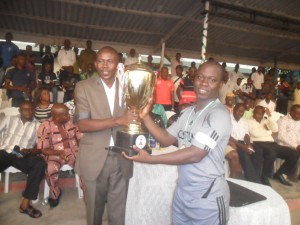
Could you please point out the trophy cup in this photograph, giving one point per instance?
(139, 85)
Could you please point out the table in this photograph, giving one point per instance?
(151, 191)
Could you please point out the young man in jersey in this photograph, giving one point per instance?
(202, 132)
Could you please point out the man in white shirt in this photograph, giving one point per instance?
(66, 58)
(261, 136)
(258, 78)
(249, 158)
(289, 131)
(132, 58)
(17, 143)
(268, 103)
(235, 74)
(227, 87)
(174, 63)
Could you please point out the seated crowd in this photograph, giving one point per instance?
(262, 129)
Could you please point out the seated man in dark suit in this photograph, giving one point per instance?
(20, 132)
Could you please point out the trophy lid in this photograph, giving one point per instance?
(140, 67)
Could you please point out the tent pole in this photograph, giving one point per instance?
(204, 34)
(162, 56)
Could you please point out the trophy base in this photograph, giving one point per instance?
(126, 141)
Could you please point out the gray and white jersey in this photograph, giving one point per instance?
(208, 130)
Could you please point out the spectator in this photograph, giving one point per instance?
(249, 158)
(248, 114)
(164, 90)
(177, 80)
(58, 140)
(268, 102)
(21, 131)
(42, 105)
(47, 79)
(289, 133)
(185, 90)
(132, 58)
(258, 78)
(297, 94)
(149, 63)
(87, 56)
(235, 74)
(229, 102)
(248, 90)
(47, 57)
(66, 58)
(174, 63)
(90, 72)
(202, 133)
(227, 87)
(20, 82)
(76, 64)
(8, 50)
(260, 132)
(284, 89)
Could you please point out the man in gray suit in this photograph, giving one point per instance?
(99, 114)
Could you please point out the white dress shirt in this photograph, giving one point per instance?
(66, 57)
(288, 132)
(239, 128)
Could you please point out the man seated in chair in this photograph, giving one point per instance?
(261, 133)
(289, 133)
(58, 139)
(20, 133)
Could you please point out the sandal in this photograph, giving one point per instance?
(30, 211)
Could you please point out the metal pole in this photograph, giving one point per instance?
(162, 56)
(204, 34)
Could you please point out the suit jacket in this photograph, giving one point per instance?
(91, 100)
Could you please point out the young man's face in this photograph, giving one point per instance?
(258, 113)
(207, 82)
(106, 64)
(238, 112)
(26, 111)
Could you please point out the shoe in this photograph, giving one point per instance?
(54, 202)
(30, 211)
(281, 179)
(265, 181)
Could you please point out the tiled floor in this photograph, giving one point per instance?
(71, 210)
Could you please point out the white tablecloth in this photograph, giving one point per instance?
(151, 191)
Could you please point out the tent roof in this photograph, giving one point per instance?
(241, 31)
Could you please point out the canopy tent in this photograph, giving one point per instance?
(240, 31)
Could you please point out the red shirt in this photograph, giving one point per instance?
(164, 91)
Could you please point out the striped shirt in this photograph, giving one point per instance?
(14, 132)
(42, 114)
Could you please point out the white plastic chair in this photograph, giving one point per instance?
(77, 180)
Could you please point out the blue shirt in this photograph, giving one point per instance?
(7, 51)
(19, 78)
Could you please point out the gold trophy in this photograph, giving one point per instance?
(139, 83)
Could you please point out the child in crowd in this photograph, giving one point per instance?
(248, 109)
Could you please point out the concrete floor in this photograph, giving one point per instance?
(71, 210)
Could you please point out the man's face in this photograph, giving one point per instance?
(295, 114)
(21, 61)
(229, 100)
(269, 96)
(258, 114)
(88, 44)
(8, 37)
(27, 111)
(192, 72)
(226, 76)
(132, 52)
(45, 95)
(179, 71)
(164, 73)
(62, 115)
(178, 56)
(207, 82)
(237, 67)
(67, 44)
(238, 112)
(106, 64)
(48, 67)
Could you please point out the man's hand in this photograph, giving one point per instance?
(25, 151)
(128, 117)
(142, 156)
(147, 109)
